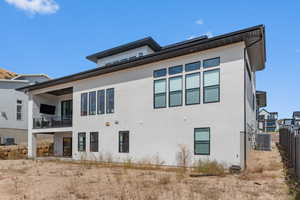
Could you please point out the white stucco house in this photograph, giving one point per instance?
(13, 107)
(143, 100)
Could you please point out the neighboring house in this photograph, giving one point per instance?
(13, 107)
(268, 121)
(296, 118)
(144, 101)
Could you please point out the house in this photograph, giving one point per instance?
(268, 121)
(145, 101)
(13, 107)
(296, 118)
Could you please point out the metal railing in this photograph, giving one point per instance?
(52, 122)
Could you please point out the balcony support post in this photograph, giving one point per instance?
(31, 136)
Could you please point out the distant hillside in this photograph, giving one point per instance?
(4, 74)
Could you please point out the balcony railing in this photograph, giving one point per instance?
(52, 122)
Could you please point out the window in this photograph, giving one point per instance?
(211, 86)
(92, 103)
(175, 91)
(19, 110)
(141, 54)
(192, 89)
(213, 62)
(84, 104)
(110, 100)
(175, 70)
(160, 93)
(101, 102)
(159, 73)
(192, 66)
(124, 142)
(201, 141)
(81, 141)
(94, 142)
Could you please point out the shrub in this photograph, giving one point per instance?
(183, 156)
(209, 168)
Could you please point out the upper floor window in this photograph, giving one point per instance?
(19, 110)
(175, 91)
(101, 102)
(175, 70)
(159, 73)
(192, 66)
(160, 87)
(213, 62)
(81, 141)
(84, 104)
(201, 141)
(192, 89)
(211, 88)
(110, 100)
(141, 54)
(92, 103)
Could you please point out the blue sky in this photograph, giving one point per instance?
(54, 37)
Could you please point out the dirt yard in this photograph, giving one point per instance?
(37, 180)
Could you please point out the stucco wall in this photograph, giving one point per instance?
(160, 131)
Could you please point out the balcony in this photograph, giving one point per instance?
(52, 122)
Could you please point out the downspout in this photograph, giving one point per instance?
(245, 116)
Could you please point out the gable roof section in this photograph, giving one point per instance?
(148, 41)
(254, 38)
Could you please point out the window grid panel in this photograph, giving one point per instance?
(160, 87)
(84, 104)
(202, 141)
(192, 91)
(110, 100)
(175, 91)
(211, 86)
(81, 141)
(212, 62)
(175, 69)
(92, 103)
(101, 102)
(94, 141)
(159, 73)
(192, 66)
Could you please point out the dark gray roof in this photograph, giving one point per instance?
(254, 38)
(148, 41)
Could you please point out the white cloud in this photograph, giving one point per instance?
(191, 37)
(209, 34)
(36, 6)
(200, 22)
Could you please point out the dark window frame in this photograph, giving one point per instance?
(164, 70)
(121, 145)
(174, 67)
(188, 104)
(202, 142)
(181, 91)
(212, 86)
(99, 105)
(211, 59)
(185, 66)
(165, 93)
(90, 111)
(108, 103)
(84, 144)
(82, 106)
(96, 148)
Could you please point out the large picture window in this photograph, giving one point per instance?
(19, 110)
(175, 91)
(110, 100)
(94, 141)
(84, 104)
(201, 141)
(192, 89)
(101, 102)
(81, 141)
(92, 103)
(211, 86)
(160, 93)
(124, 141)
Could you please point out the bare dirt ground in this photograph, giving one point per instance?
(44, 180)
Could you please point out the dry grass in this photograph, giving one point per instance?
(29, 179)
(208, 167)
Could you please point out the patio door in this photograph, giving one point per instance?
(66, 110)
(67, 147)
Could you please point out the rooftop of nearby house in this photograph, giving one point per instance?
(296, 114)
(253, 37)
